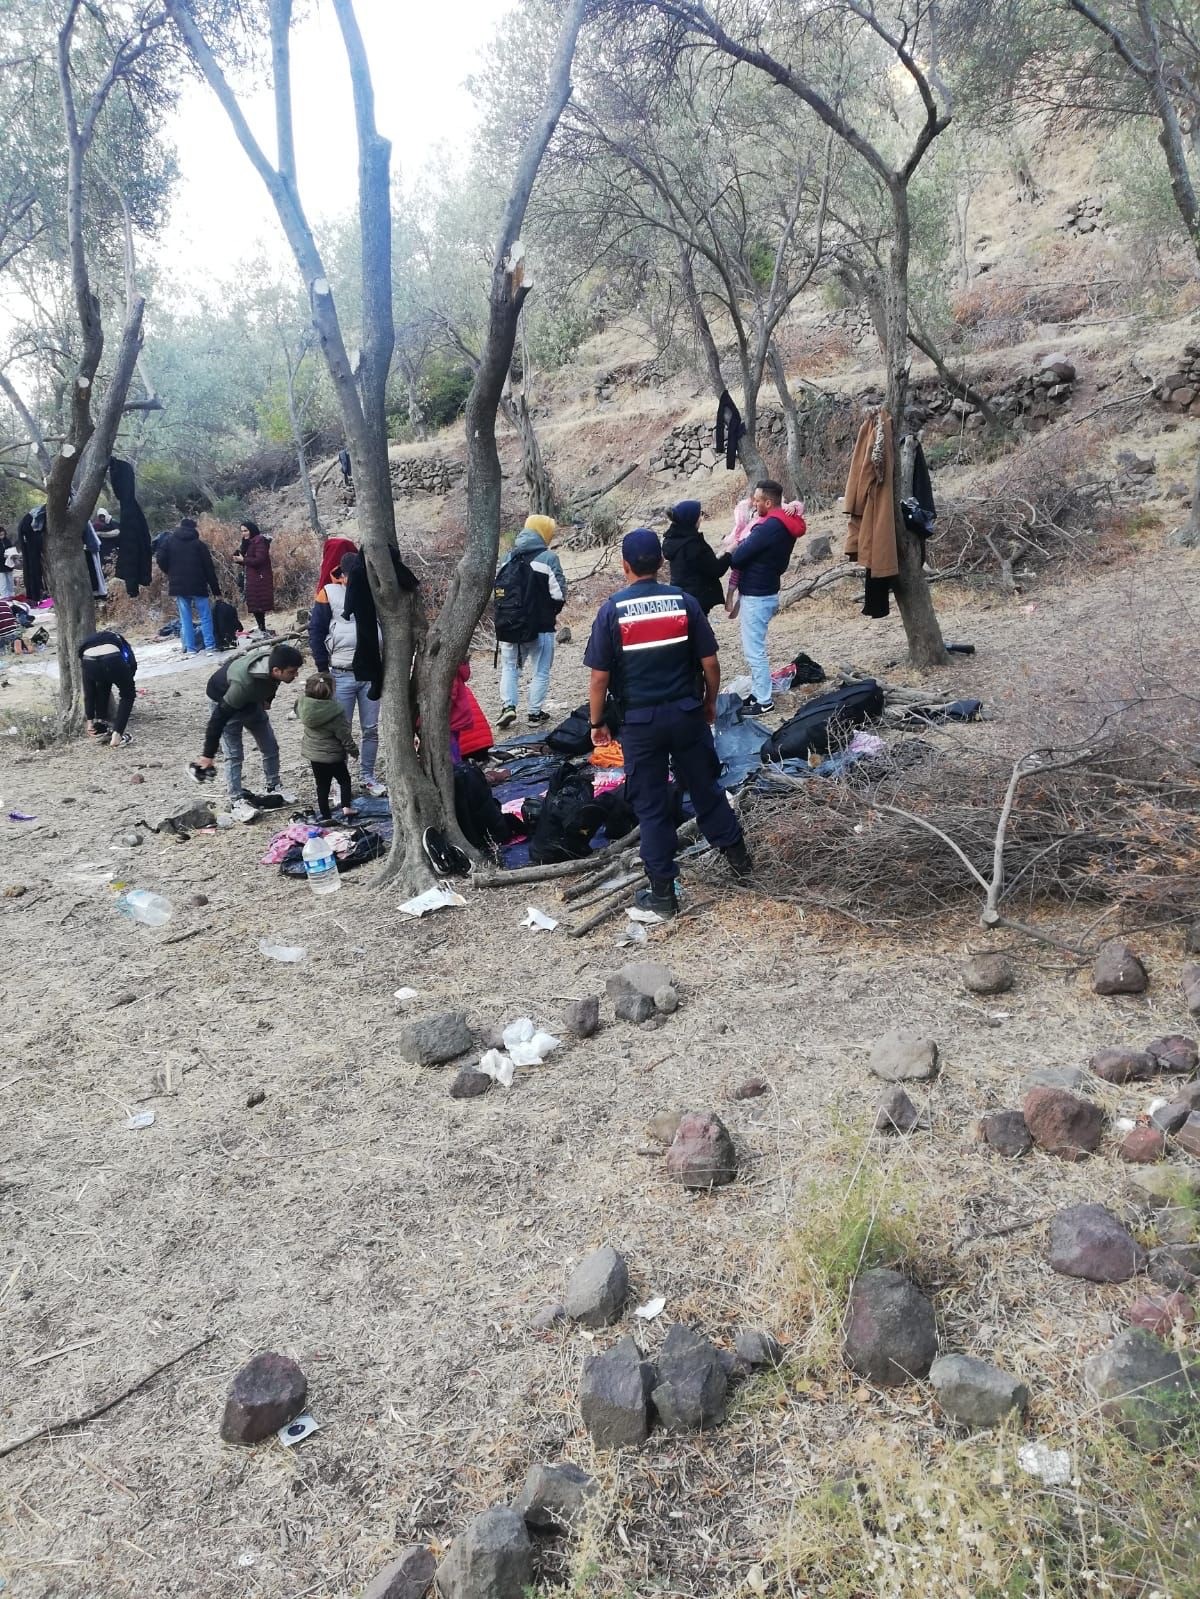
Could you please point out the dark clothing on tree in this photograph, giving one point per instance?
(135, 566)
(188, 563)
(359, 608)
(695, 568)
(729, 429)
(30, 531)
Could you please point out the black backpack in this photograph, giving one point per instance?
(515, 601)
(826, 722)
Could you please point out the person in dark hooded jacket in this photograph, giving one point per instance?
(191, 579)
(695, 568)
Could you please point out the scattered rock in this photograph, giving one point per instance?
(555, 1497)
(663, 1126)
(409, 1577)
(137, 778)
(689, 1394)
(639, 977)
(564, 635)
(1088, 1241)
(1160, 1186)
(633, 1007)
(582, 1017)
(491, 1558)
(1169, 1118)
(1122, 1065)
(974, 1393)
(469, 1083)
(15, 891)
(256, 1096)
(1190, 983)
(666, 1000)
(1117, 970)
(1144, 1388)
(613, 1395)
(1175, 1266)
(755, 1349)
(1174, 1053)
(702, 1154)
(598, 1289)
(1158, 1313)
(197, 900)
(1068, 1077)
(988, 974)
(897, 1113)
(547, 1316)
(1061, 1124)
(1177, 1224)
(1143, 1146)
(890, 1332)
(751, 1088)
(132, 840)
(1188, 1136)
(1191, 943)
(266, 1393)
(901, 1057)
(1005, 1132)
(816, 549)
(435, 1039)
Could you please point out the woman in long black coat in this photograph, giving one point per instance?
(695, 567)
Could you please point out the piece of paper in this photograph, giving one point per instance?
(433, 899)
(635, 914)
(652, 1307)
(405, 996)
(140, 1118)
(297, 1430)
(538, 919)
(288, 953)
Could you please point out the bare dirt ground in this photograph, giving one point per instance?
(397, 1243)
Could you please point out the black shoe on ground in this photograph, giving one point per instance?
(739, 860)
(753, 707)
(658, 896)
(536, 718)
(446, 858)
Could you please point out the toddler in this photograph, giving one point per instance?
(326, 743)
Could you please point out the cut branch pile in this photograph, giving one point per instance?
(1107, 823)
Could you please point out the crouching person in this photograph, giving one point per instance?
(652, 647)
(109, 666)
(240, 694)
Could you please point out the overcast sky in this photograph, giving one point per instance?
(420, 54)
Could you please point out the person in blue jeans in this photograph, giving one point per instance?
(333, 639)
(191, 580)
(760, 561)
(533, 542)
(651, 647)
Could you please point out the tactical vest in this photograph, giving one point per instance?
(657, 659)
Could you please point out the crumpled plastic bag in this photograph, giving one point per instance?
(433, 899)
(534, 1052)
(499, 1067)
(538, 919)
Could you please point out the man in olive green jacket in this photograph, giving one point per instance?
(241, 693)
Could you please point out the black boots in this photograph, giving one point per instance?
(739, 860)
(658, 897)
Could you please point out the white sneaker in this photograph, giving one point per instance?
(285, 794)
(374, 788)
(242, 811)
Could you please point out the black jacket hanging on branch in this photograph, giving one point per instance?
(729, 428)
(359, 607)
(135, 565)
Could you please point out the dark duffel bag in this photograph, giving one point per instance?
(826, 722)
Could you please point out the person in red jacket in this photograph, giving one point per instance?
(470, 731)
(260, 579)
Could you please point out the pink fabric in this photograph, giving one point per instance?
(296, 833)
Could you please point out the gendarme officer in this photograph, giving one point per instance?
(652, 648)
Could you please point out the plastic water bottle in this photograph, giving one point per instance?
(140, 905)
(319, 865)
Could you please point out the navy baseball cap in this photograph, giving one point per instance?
(641, 547)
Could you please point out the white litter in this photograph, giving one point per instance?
(634, 934)
(1125, 1124)
(518, 1032)
(405, 996)
(433, 899)
(1053, 1466)
(139, 1118)
(1156, 1104)
(538, 919)
(652, 1307)
(648, 917)
(297, 1430)
(534, 1052)
(499, 1067)
(288, 953)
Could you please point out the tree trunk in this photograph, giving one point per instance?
(926, 646)
(310, 498)
(539, 486)
(958, 386)
(74, 611)
(791, 422)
